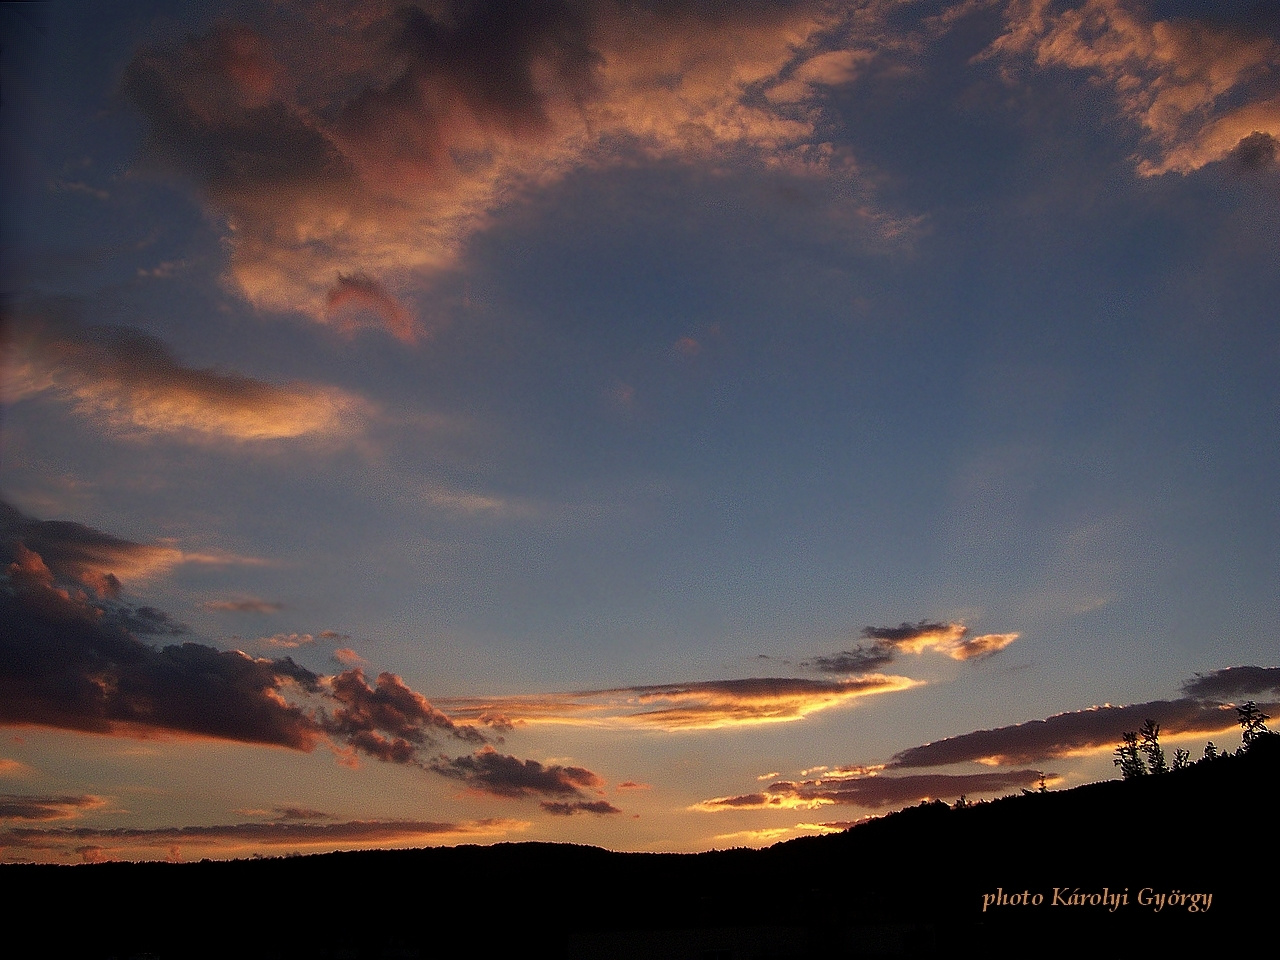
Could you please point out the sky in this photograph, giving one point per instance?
(629, 422)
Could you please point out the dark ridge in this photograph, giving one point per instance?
(909, 884)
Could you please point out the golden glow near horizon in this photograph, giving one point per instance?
(703, 365)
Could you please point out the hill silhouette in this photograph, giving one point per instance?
(1073, 872)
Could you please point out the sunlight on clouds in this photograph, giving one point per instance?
(1191, 86)
(129, 383)
(700, 705)
(755, 837)
(349, 179)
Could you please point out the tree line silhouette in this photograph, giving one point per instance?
(1140, 754)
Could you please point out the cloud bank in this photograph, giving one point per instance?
(71, 658)
(99, 843)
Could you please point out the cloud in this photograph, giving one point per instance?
(698, 705)
(984, 646)
(871, 791)
(757, 837)
(1065, 734)
(73, 660)
(300, 813)
(129, 382)
(15, 806)
(94, 842)
(505, 776)
(1232, 682)
(560, 808)
(350, 296)
(388, 721)
(1195, 88)
(349, 658)
(888, 642)
(346, 180)
(69, 663)
(89, 558)
(288, 641)
(243, 605)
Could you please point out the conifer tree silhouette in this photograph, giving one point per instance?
(1128, 759)
(1151, 747)
(1254, 722)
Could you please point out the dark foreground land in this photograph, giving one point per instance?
(1065, 873)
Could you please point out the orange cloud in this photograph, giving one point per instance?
(983, 646)
(1196, 89)
(129, 382)
(888, 642)
(243, 605)
(346, 179)
(699, 705)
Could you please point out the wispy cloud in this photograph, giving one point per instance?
(98, 843)
(886, 643)
(287, 641)
(698, 705)
(871, 791)
(242, 605)
(16, 806)
(129, 382)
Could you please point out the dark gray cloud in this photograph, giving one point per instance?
(1067, 733)
(873, 792)
(505, 776)
(1232, 682)
(860, 659)
(68, 663)
(388, 721)
(561, 808)
(300, 813)
(1256, 151)
(73, 660)
(17, 806)
(76, 553)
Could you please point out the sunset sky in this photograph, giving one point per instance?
(626, 423)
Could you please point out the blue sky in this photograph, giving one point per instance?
(476, 421)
